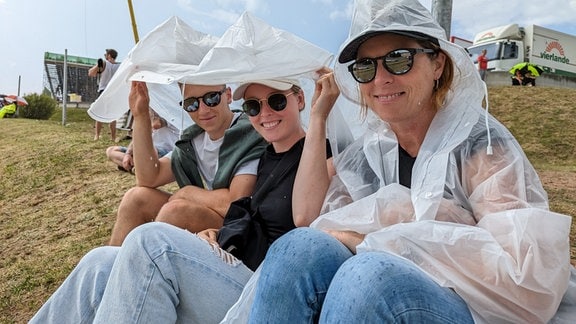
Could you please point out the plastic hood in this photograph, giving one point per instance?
(251, 49)
(168, 52)
(474, 222)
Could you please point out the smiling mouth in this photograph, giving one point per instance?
(389, 97)
(207, 118)
(270, 124)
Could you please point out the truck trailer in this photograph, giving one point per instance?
(508, 45)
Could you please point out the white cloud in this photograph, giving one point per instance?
(473, 16)
(342, 13)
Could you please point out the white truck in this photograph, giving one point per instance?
(508, 45)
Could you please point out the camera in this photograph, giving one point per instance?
(100, 65)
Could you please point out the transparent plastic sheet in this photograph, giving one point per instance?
(172, 47)
(250, 49)
(513, 265)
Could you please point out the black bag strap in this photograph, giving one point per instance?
(286, 163)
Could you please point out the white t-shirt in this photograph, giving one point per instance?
(165, 137)
(207, 152)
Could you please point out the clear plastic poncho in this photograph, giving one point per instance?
(476, 218)
(248, 50)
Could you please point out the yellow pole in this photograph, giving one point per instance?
(134, 28)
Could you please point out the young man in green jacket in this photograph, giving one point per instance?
(214, 163)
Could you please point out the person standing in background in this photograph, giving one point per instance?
(105, 69)
(482, 65)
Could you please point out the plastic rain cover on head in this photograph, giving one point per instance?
(475, 222)
(251, 50)
(248, 50)
(168, 52)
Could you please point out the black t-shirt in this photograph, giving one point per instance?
(276, 206)
(405, 165)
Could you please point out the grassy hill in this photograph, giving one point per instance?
(58, 194)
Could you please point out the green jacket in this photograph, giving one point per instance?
(241, 144)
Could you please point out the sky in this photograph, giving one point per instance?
(28, 28)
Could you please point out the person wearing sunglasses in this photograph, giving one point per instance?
(434, 215)
(163, 274)
(214, 163)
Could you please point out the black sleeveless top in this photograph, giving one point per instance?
(405, 164)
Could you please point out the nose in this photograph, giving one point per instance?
(265, 107)
(382, 75)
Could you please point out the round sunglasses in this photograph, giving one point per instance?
(397, 62)
(210, 99)
(276, 101)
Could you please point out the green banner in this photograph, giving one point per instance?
(71, 59)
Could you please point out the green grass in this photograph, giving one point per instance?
(59, 194)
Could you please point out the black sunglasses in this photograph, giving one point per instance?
(210, 99)
(276, 101)
(397, 62)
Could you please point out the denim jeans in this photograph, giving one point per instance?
(309, 276)
(161, 274)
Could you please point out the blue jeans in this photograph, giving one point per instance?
(309, 276)
(161, 274)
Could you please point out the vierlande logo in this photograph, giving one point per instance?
(548, 55)
(487, 36)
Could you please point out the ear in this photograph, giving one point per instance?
(229, 94)
(301, 101)
(439, 63)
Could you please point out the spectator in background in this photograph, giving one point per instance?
(7, 107)
(482, 65)
(164, 136)
(529, 80)
(105, 69)
(518, 78)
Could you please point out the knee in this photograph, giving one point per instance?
(178, 212)
(135, 197)
(188, 215)
(306, 238)
(138, 203)
(98, 260)
(111, 150)
(176, 207)
(148, 236)
(374, 274)
(310, 245)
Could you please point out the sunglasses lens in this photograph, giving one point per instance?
(191, 104)
(277, 101)
(398, 62)
(364, 70)
(211, 99)
(251, 107)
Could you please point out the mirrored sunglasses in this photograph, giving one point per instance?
(210, 99)
(276, 101)
(397, 62)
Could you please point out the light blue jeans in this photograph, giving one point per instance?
(161, 274)
(309, 276)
